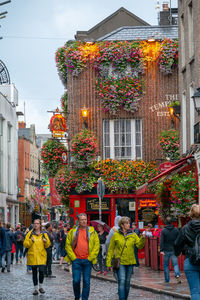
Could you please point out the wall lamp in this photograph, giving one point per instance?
(196, 99)
(84, 112)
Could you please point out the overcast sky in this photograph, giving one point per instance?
(34, 29)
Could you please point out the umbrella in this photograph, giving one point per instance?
(94, 223)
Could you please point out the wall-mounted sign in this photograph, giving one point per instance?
(93, 204)
(148, 214)
(147, 203)
(166, 165)
(58, 125)
(131, 206)
(64, 157)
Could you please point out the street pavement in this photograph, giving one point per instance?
(17, 285)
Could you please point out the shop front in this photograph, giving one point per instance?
(141, 209)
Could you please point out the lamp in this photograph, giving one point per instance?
(84, 112)
(171, 112)
(196, 99)
(151, 39)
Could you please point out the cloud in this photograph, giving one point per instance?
(35, 114)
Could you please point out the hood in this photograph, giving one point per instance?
(117, 218)
(169, 227)
(191, 230)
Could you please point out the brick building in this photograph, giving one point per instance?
(189, 70)
(28, 167)
(141, 127)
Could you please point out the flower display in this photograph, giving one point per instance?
(168, 58)
(64, 103)
(177, 194)
(51, 156)
(60, 62)
(84, 148)
(119, 93)
(169, 144)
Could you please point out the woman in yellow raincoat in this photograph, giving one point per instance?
(37, 241)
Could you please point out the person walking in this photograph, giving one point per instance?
(37, 241)
(168, 237)
(112, 231)
(184, 243)
(122, 247)
(48, 271)
(82, 246)
(19, 239)
(137, 231)
(6, 258)
(2, 243)
(63, 252)
(102, 234)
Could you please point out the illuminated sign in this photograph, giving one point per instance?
(147, 203)
(58, 126)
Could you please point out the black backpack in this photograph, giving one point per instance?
(193, 252)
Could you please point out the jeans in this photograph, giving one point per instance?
(124, 277)
(193, 277)
(101, 261)
(174, 260)
(136, 256)
(19, 248)
(35, 274)
(7, 255)
(81, 266)
(57, 251)
(48, 270)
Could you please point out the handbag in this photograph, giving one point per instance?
(116, 261)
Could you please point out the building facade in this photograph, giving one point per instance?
(189, 70)
(9, 207)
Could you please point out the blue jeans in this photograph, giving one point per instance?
(81, 266)
(19, 248)
(6, 255)
(174, 260)
(124, 277)
(193, 277)
(57, 251)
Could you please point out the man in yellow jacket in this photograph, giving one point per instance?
(82, 246)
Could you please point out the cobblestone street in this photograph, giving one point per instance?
(17, 285)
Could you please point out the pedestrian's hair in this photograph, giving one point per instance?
(123, 220)
(168, 220)
(8, 225)
(37, 220)
(81, 214)
(134, 224)
(48, 225)
(149, 225)
(195, 211)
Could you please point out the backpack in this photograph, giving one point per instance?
(193, 252)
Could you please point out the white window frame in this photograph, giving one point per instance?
(133, 139)
(184, 123)
(192, 111)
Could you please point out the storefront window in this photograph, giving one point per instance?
(125, 207)
(147, 211)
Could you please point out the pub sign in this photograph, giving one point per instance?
(92, 204)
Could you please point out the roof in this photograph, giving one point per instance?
(130, 33)
(109, 19)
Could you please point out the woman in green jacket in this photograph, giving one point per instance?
(122, 246)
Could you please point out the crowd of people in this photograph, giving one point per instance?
(115, 249)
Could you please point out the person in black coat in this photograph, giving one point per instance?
(168, 237)
(184, 243)
(48, 271)
(137, 231)
(7, 254)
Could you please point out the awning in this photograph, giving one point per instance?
(179, 165)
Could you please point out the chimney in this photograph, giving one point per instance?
(21, 124)
(165, 6)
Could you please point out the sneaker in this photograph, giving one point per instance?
(42, 291)
(2, 270)
(178, 279)
(105, 272)
(35, 292)
(98, 273)
(8, 270)
(51, 276)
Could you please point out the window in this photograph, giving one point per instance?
(190, 30)
(9, 127)
(122, 139)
